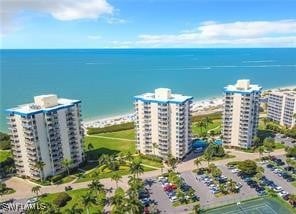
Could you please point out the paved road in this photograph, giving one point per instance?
(23, 187)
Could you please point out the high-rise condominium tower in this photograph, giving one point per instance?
(241, 113)
(281, 107)
(48, 131)
(163, 123)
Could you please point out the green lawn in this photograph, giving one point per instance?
(197, 131)
(151, 163)
(126, 134)
(4, 154)
(108, 146)
(97, 173)
(76, 198)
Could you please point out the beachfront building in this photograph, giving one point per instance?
(163, 123)
(49, 131)
(240, 113)
(281, 107)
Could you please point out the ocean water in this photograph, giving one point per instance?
(107, 80)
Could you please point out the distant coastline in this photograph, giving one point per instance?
(199, 107)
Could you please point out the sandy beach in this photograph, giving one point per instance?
(199, 107)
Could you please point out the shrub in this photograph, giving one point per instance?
(58, 177)
(151, 157)
(61, 199)
(113, 128)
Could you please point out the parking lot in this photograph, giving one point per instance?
(285, 140)
(208, 199)
(287, 186)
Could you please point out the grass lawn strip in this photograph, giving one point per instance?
(4, 154)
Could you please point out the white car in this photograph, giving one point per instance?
(174, 199)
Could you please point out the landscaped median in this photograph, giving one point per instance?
(178, 192)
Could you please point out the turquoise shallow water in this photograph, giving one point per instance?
(106, 80)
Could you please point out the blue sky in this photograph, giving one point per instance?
(147, 23)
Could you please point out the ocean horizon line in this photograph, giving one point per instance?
(145, 48)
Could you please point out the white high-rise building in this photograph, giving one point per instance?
(241, 113)
(48, 130)
(163, 123)
(281, 107)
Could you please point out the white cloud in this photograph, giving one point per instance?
(63, 10)
(255, 33)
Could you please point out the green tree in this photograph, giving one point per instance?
(261, 151)
(36, 190)
(217, 172)
(172, 162)
(40, 165)
(256, 141)
(207, 121)
(87, 200)
(269, 144)
(129, 156)
(116, 176)
(248, 167)
(208, 156)
(66, 163)
(96, 186)
(118, 201)
(136, 168)
(201, 124)
(197, 162)
(232, 186)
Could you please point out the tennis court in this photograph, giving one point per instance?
(256, 206)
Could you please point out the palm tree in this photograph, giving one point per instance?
(74, 210)
(207, 121)
(66, 163)
(208, 156)
(155, 146)
(129, 156)
(256, 141)
(40, 165)
(36, 190)
(197, 162)
(96, 186)
(118, 201)
(265, 120)
(116, 176)
(88, 200)
(172, 162)
(136, 168)
(232, 186)
(201, 125)
(261, 151)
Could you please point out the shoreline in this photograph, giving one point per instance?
(199, 107)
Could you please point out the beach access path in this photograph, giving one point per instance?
(23, 187)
